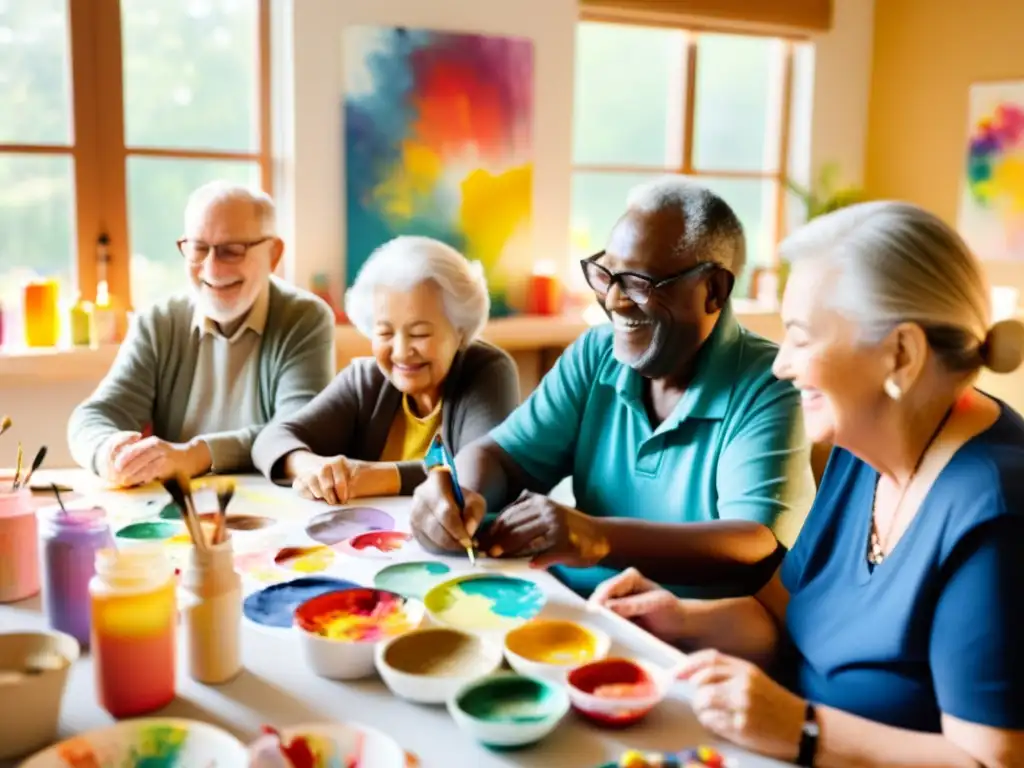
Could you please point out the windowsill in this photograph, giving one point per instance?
(21, 367)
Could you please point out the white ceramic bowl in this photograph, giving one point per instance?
(618, 711)
(428, 665)
(30, 703)
(181, 743)
(352, 657)
(333, 743)
(508, 710)
(551, 648)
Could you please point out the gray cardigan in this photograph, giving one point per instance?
(353, 416)
(151, 379)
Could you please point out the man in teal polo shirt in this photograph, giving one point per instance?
(686, 453)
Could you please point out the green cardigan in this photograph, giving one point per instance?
(151, 379)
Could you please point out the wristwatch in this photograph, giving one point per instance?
(808, 738)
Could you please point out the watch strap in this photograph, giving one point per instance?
(808, 738)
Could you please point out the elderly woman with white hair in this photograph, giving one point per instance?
(422, 305)
(894, 625)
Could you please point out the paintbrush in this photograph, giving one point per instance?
(17, 468)
(225, 493)
(5, 423)
(36, 462)
(176, 488)
(60, 503)
(438, 457)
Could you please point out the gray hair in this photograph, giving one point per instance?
(403, 263)
(895, 263)
(219, 191)
(711, 230)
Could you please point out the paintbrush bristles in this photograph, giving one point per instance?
(175, 486)
(5, 424)
(225, 493)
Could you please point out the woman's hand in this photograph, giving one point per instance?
(737, 701)
(338, 479)
(633, 596)
(555, 534)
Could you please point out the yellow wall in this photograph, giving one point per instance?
(926, 55)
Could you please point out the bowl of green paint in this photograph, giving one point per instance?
(508, 710)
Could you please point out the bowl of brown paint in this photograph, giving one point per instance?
(428, 665)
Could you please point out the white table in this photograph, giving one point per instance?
(276, 687)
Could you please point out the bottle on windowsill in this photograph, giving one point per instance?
(105, 316)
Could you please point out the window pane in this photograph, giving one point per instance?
(599, 199)
(737, 103)
(190, 73)
(157, 191)
(34, 75)
(37, 231)
(629, 95)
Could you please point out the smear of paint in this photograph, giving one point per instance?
(170, 512)
(355, 615)
(274, 606)
(305, 559)
(77, 753)
(240, 522)
(486, 602)
(411, 579)
(381, 541)
(158, 746)
(337, 525)
(259, 566)
(154, 531)
(510, 699)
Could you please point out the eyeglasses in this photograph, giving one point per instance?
(637, 287)
(196, 251)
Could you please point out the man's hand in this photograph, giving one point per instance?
(436, 521)
(554, 534)
(138, 460)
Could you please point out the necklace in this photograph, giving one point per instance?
(876, 548)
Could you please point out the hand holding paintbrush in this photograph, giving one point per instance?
(439, 458)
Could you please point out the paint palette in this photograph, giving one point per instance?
(274, 606)
(484, 603)
(168, 743)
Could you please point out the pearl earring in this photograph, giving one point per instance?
(892, 389)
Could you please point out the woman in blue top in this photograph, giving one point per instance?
(896, 623)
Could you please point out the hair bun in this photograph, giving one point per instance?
(1003, 348)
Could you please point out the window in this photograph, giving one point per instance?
(711, 107)
(113, 113)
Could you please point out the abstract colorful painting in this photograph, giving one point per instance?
(439, 142)
(992, 198)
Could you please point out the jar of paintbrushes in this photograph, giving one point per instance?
(212, 609)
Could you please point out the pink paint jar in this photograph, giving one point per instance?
(19, 546)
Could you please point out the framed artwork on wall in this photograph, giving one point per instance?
(438, 141)
(991, 216)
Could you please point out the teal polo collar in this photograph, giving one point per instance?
(709, 393)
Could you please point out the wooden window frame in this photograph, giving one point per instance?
(687, 168)
(97, 145)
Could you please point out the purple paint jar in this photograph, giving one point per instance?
(69, 542)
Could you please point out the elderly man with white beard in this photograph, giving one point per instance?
(199, 375)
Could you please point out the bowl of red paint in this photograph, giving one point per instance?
(340, 629)
(616, 692)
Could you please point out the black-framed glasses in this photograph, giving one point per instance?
(196, 251)
(637, 287)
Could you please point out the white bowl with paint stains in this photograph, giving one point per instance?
(339, 630)
(509, 710)
(332, 744)
(170, 742)
(429, 664)
(552, 648)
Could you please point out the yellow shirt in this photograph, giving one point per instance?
(410, 435)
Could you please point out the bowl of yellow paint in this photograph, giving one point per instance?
(340, 629)
(428, 665)
(551, 648)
